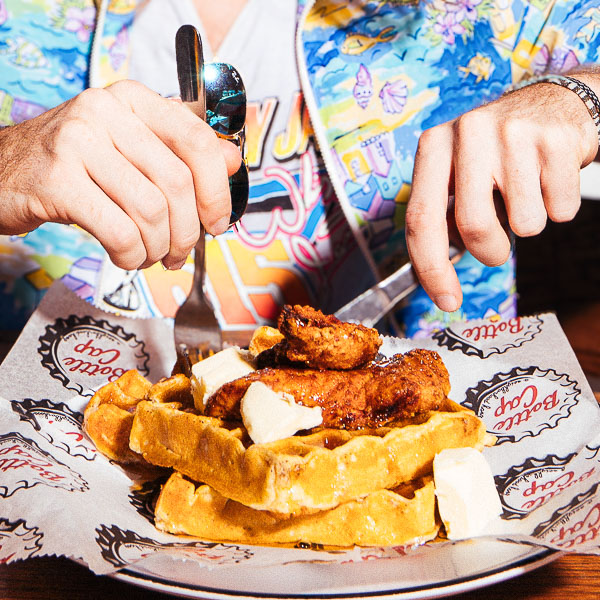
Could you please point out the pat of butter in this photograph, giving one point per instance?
(269, 416)
(210, 374)
(468, 501)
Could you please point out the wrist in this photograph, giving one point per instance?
(581, 85)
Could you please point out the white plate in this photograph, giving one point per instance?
(428, 572)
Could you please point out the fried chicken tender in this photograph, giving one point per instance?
(376, 395)
(313, 339)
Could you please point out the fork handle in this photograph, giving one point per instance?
(192, 88)
(190, 69)
(200, 262)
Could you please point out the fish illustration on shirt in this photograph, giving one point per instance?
(480, 66)
(357, 43)
(363, 88)
(122, 7)
(24, 53)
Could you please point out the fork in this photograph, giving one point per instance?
(197, 332)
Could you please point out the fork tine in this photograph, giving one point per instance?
(184, 363)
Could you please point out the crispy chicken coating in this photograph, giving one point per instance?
(373, 396)
(318, 341)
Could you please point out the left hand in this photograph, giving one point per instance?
(529, 146)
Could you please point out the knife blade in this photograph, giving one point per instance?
(372, 305)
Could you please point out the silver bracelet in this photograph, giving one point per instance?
(587, 95)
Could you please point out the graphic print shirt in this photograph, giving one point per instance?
(375, 74)
(293, 244)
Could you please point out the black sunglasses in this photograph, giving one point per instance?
(216, 93)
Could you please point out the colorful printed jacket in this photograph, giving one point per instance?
(375, 74)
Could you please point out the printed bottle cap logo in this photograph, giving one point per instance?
(23, 464)
(143, 497)
(576, 525)
(121, 547)
(528, 486)
(18, 541)
(57, 423)
(523, 402)
(492, 336)
(84, 353)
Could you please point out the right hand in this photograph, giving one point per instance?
(137, 171)
(526, 149)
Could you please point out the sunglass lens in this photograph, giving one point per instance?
(225, 98)
(238, 186)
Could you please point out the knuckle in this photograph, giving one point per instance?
(76, 124)
(552, 155)
(528, 225)
(564, 212)
(184, 241)
(201, 138)
(127, 250)
(515, 130)
(416, 221)
(156, 246)
(124, 88)
(68, 134)
(427, 137)
(179, 181)
(430, 137)
(153, 210)
(128, 240)
(432, 271)
(470, 122)
(157, 253)
(472, 229)
(91, 101)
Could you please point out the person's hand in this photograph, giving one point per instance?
(526, 148)
(137, 171)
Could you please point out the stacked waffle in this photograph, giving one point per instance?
(362, 476)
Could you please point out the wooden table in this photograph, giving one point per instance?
(570, 577)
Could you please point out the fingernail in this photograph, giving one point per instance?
(447, 302)
(221, 226)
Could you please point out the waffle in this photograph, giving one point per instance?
(303, 473)
(385, 517)
(108, 417)
(326, 486)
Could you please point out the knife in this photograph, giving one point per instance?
(371, 306)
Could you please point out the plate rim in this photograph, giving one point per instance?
(459, 585)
